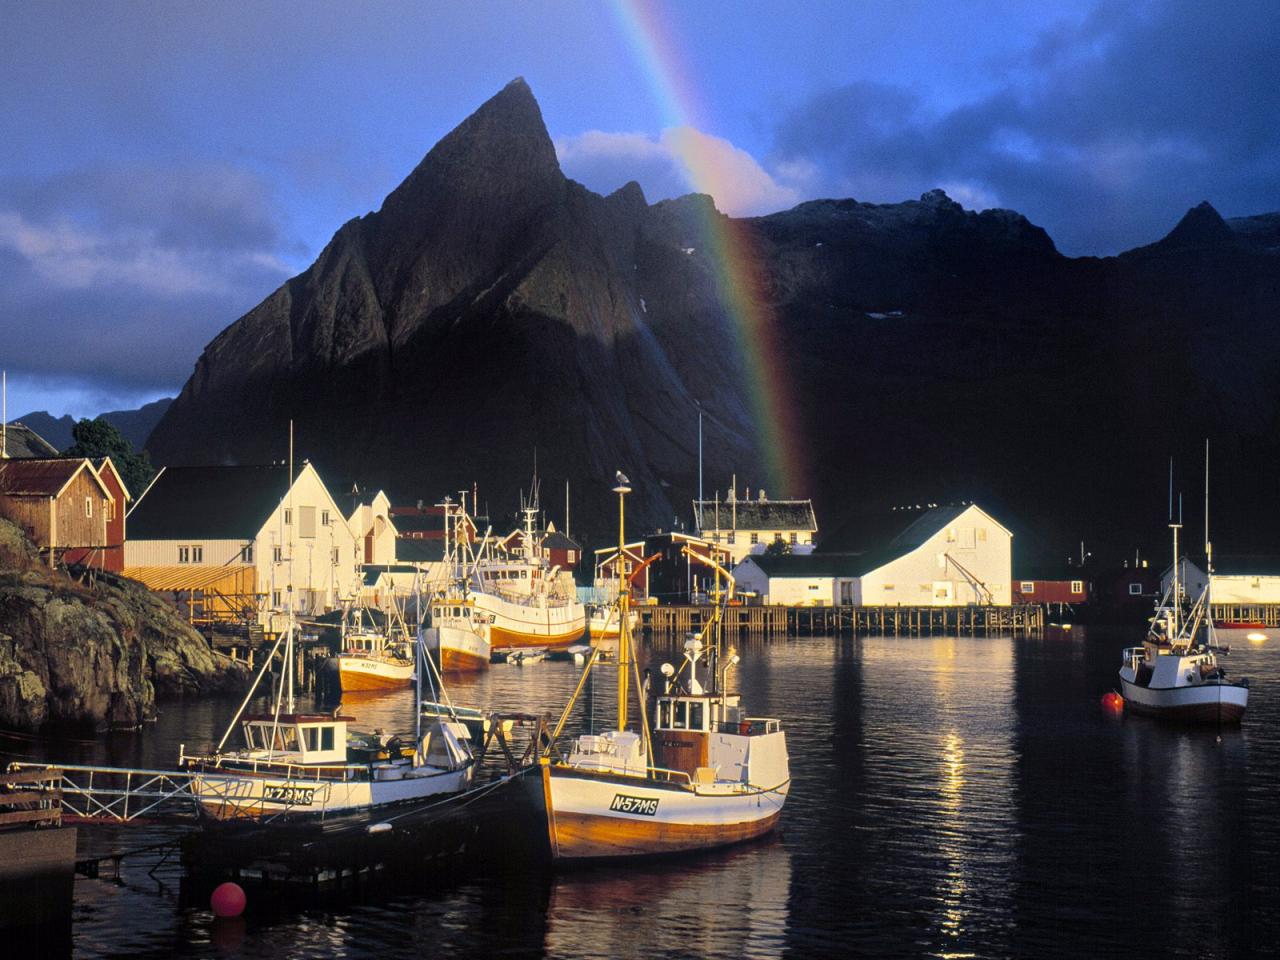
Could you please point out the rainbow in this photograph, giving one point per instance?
(740, 280)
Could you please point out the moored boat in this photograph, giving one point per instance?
(369, 661)
(1176, 674)
(703, 774)
(305, 764)
(497, 605)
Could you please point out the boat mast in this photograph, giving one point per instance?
(624, 598)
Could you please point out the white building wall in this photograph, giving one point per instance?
(1193, 580)
(165, 553)
(801, 591)
(740, 546)
(934, 573)
(320, 560)
(1248, 589)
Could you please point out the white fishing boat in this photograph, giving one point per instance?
(604, 626)
(702, 774)
(499, 605)
(307, 764)
(1176, 672)
(369, 660)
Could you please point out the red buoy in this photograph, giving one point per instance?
(227, 900)
(1113, 701)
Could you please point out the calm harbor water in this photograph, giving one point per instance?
(952, 797)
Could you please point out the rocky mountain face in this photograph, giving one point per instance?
(92, 655)
(492, 308)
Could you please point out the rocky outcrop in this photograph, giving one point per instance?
(94, 654)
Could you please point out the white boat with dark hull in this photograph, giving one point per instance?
(306, 764)
(1175, 674)
(702, 775)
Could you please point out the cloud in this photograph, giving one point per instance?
(1105, 132)
(117, 277)
(681, 160)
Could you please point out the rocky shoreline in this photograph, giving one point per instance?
(92, 652)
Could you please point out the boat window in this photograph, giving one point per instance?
(326, 738)
(311, 736)
(681, 715)
(695, 716)
(664, 713)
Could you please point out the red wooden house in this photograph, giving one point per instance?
(61, 504)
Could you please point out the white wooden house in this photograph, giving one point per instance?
(242, 543)
(1239, 580)
(371, 522)
(743, 527)
(941, 556)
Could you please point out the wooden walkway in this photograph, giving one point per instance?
(1020, 620)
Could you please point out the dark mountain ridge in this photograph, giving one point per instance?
(492, 307)
(134, 425)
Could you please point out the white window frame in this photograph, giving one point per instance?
(197, 553)
(1077, 586)
(88, 506)
(184, 553)
(1135, 589)
(1027, 586)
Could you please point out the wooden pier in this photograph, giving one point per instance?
(894, 621)
(1226, 614)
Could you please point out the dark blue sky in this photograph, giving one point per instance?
(166, 166)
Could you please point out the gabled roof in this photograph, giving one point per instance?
(21, 441)
(44, 477)
(370, 572)
(756, 515)
(558, 541)
(210, 503)
(806, 564)
(419, 551)
(104, 463)
(1241, 565)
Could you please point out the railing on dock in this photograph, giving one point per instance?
(1226, 614)
(766, 620)
(114, 794)
(31, 797)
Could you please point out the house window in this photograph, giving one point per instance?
(184, 554)
(793, 538)
(951, 534)
(573, 556)
(88, 506)
(275, 598)
(324, 518)
(813, 586)
(755, 538)
(288, 516)
(246, 554)
(1077, 586)
(197, 554)
(335, 556)
(1135, 589)
(277, 554)
(728, 538)
(887, 586)
(1028, 586)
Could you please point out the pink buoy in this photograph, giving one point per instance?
(1113, 701)
(227, 900)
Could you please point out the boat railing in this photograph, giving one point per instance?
(670, 776)
(1133, 656)
(233, 763)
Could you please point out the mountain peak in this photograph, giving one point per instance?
(503, 145)
(1202, 225)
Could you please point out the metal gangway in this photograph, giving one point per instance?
(124, 795)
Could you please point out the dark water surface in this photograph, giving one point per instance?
(952, 797)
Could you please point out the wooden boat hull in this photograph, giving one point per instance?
(596, 817)
(1202, 703)
(368, 673)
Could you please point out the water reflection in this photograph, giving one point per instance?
(951, 797)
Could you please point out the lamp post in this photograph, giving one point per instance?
(622, 488)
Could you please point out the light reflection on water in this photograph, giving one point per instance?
(951, 797)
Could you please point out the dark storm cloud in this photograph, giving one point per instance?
(1105, 133)
(119, 275)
